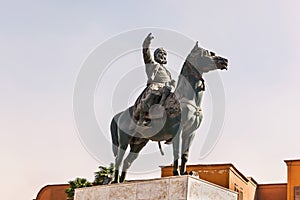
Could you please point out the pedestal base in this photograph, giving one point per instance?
(168, 188)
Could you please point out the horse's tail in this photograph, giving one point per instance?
(160, 149)
(114, 133)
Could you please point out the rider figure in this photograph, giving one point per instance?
(159, 84)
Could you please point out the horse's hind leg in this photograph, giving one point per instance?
(133, 154)
(186, 143)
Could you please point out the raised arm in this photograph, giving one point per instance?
(146, 50)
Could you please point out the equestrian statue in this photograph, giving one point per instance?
(164, 112)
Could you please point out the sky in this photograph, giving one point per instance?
(44, 45)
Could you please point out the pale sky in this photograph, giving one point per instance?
(43, 47)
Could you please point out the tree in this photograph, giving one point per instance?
(104, 175)
(77, 183)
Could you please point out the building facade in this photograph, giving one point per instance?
(53, 192)
(275, 191)
(293, 182)
(226, 175)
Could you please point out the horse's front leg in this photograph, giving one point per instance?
(176, 142)
(187, 138)
(118, 161)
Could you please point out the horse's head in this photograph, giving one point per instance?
(204, 61)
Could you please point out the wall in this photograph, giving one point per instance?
(225, 175)
(252, 188)
(246, 187)
(214, 174)
(293, 178)
(271, 191)
(218, 174)
(53, 192)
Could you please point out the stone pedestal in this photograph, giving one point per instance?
(168, 188)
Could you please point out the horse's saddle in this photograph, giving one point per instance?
(170, 106)
(160, 114)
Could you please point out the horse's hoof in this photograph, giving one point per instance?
(113, 182)
(184, 173)
(175, 173)
(122, 178)
(194, 173)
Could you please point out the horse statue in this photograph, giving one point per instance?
(176, 129)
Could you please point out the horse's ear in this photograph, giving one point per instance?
(195, 47)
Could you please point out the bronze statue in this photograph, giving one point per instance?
(177, 125)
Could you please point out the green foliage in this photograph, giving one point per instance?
(104, 175)
(77, 183)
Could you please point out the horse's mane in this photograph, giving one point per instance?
(191, 74)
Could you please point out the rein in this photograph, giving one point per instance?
(192, 75)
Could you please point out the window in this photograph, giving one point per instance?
(297, 192)
(239, 190)
(240, 195)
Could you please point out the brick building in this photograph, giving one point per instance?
(225, 175)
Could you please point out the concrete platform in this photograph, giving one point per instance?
(168, 188)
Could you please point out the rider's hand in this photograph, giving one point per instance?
(147, 40)
(149, 37)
